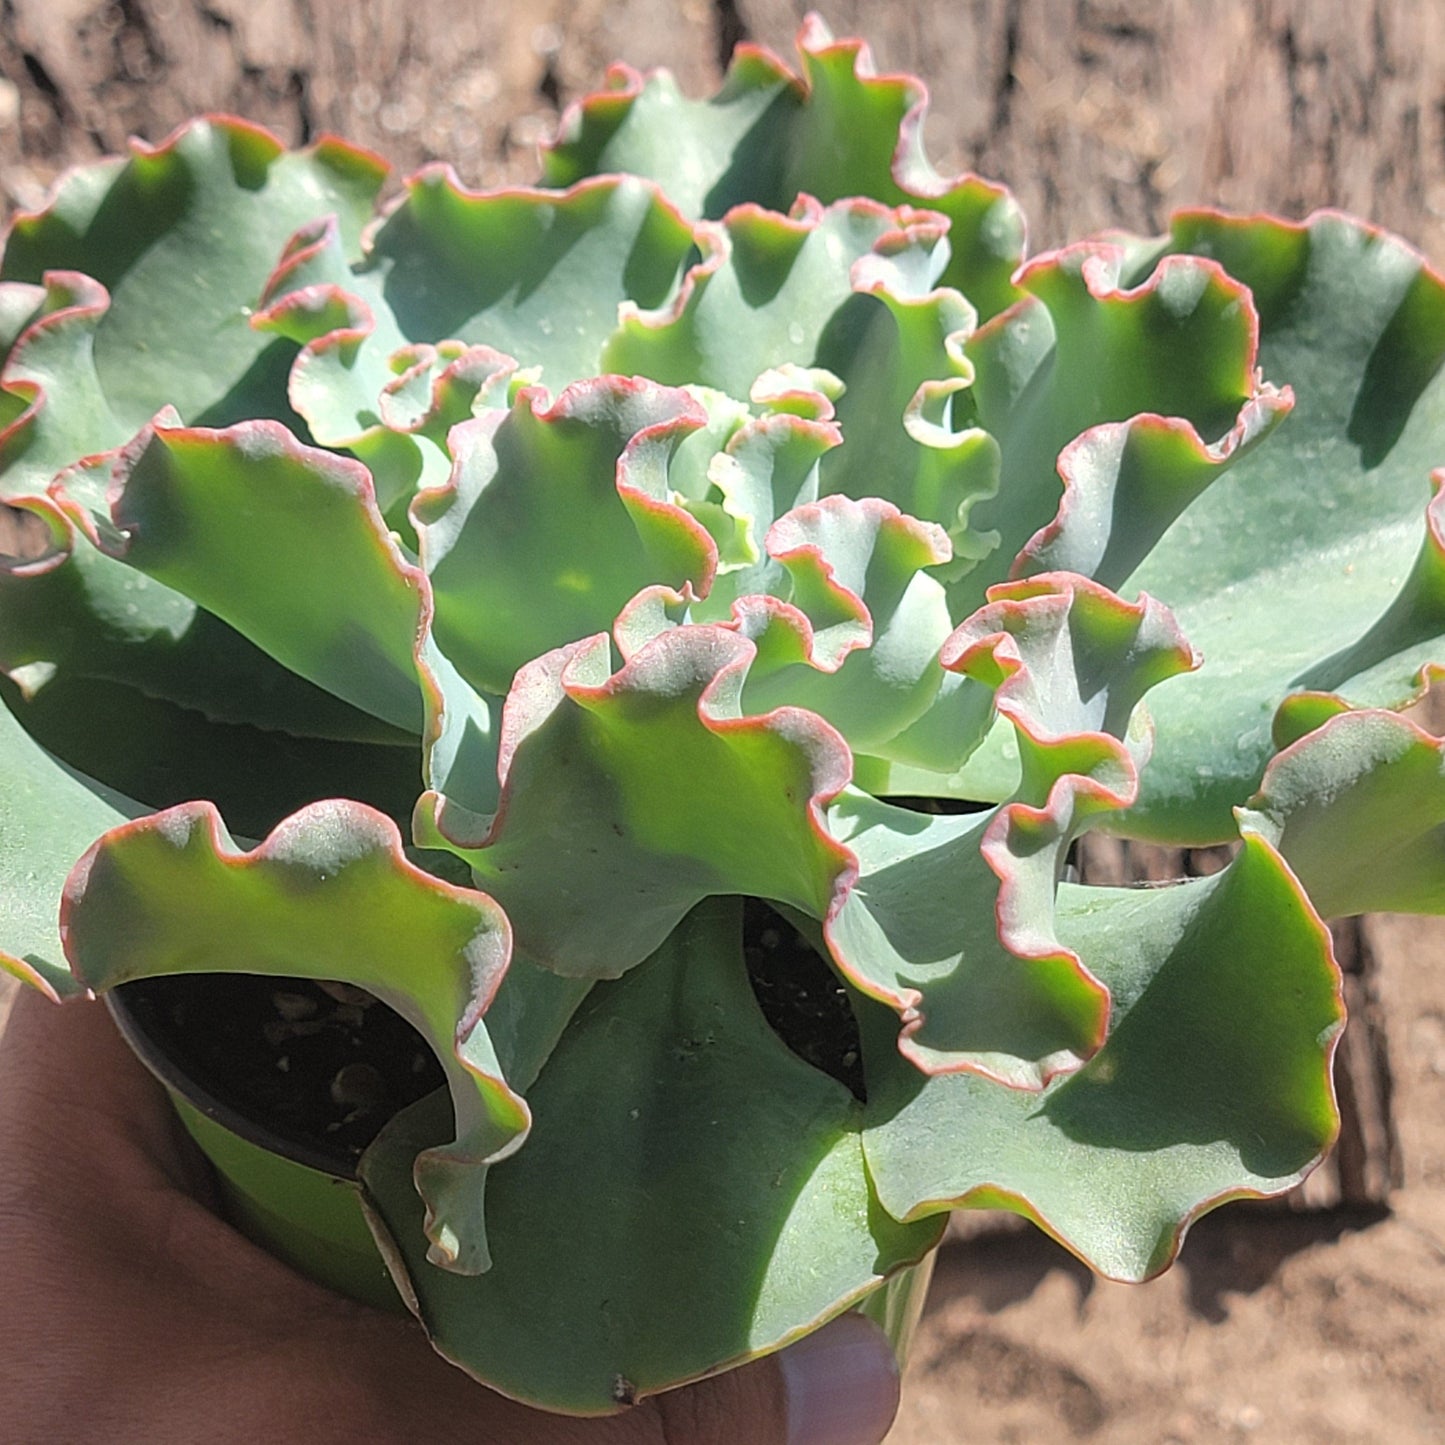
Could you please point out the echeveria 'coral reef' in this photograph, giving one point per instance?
(530, 576)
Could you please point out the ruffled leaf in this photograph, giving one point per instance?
(20, 305)
(768, 292)
(51, 383)
(1069, 661)
(919, 933)
(669, 1113)
(849, 291)
(1214, 1083)
(151, 735)
(231, 518)
(1125, 483)
(123, 329)
(536, 275)
(1085, 349)
(951, 918)
(1315, 565)
(554, 516)
(837, 129)
(1357, 808)
(604, 780)
(531, 274)
(328, 895)
(850, 624)
(766, 467)
(76, 621)
(182, 236)
(870, 618)
(360, 383)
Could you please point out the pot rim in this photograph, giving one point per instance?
(153, 1055)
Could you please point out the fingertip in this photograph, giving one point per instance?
(841, 1384)
(749, 1403)
(836, 1386)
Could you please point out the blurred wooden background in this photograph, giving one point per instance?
(1098, 112)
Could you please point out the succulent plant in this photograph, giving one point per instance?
(476, 600)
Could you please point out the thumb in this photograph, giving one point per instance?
(837, 1386)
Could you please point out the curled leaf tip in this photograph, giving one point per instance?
(329, 894)
(1119, 650)
(1355, 805)
(633, 758)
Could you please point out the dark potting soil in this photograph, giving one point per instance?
(801, 997)
(325, 1065)
(939, 806)
(797, 989)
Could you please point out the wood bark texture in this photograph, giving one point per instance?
(1097, 112)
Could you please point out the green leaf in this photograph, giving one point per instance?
(80, 621)
(852, 289)
(359, 382)
(668, 1114)
(537, 275)
(232, 519)
(950, 921)
(1084, 349)
(835, 130)
(866, 621)
(328, 895)
(766, 467)
(463, 734)
(455, 285)
(852, 628)
(918, 932)
(1125, 483)
(1214, 1083)
(769, 290)
(49, 815)
(1307, 566)
(20, 304)
(151, 266)
(555, 515)
(160, 754)
(774, 283)
(647, 790)
(51, 373)
(183, 237)
(1357, 808)
(1069, 662)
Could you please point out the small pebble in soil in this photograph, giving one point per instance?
(278, 1031)
(346, 992)
(293, 1006)
(358, 1086)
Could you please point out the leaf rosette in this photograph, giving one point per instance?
(733, 519)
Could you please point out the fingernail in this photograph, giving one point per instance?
(841, 1384)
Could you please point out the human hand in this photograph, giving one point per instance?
(131, 1312)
